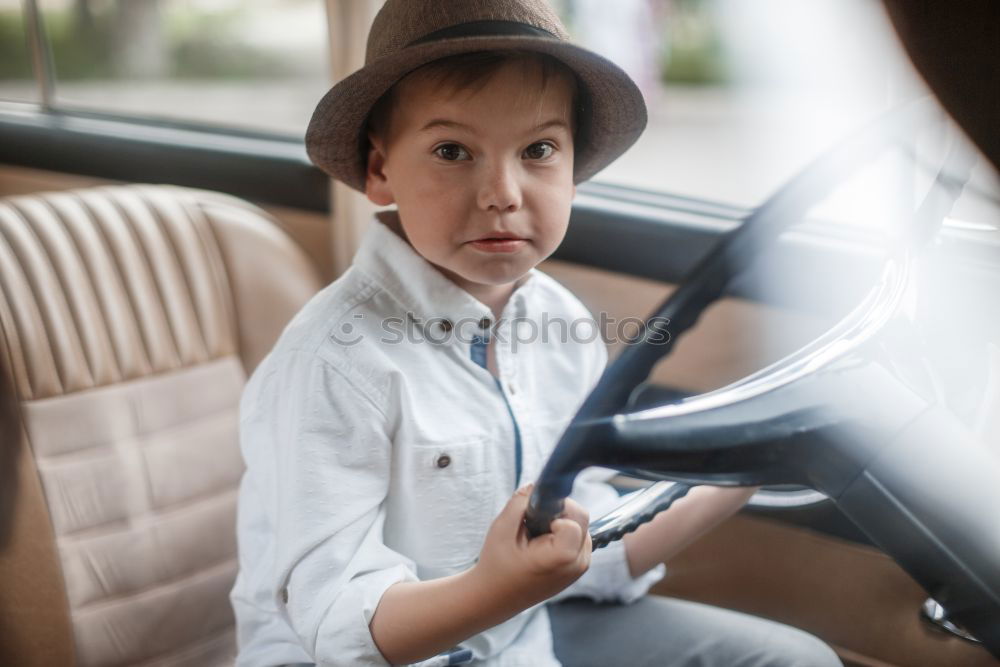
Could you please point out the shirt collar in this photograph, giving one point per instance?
(427, 294)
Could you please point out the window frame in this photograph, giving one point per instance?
(268, 167)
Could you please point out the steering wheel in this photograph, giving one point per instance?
(841, 415)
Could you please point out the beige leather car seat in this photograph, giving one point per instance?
(130, 318)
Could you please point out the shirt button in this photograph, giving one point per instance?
(284, 595)
(446, 325)
(443, 461)
(484, 323)
(510, 388)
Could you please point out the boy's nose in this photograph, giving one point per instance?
(500, 190)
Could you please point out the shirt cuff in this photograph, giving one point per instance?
(345, 637)
(608, 578)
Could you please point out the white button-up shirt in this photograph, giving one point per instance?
(379, 449)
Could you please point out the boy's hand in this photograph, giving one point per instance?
(522, 571)
(418, 619)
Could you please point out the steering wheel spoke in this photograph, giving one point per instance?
(637, 510)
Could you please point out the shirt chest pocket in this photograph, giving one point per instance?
(450, 501)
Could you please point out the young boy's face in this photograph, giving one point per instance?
(466, 167)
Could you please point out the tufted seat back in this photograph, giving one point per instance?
(130, 317)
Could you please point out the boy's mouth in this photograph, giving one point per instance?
(500, 236)
(499, 243)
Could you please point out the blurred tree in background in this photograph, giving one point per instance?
(695, 54)
(686, 42)
(147, 39)
(138, 46)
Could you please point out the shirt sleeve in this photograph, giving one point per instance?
(608, 578)
(331, 457)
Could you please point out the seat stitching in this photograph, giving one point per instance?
(215, 495)
(23, 364)
(62, 281)
(89, 270)
(153, 279)
(158, 374)
(229, 632)
(57, 457)
(202, 572)
(65, 282)
(102, 233)
(219, 267)
(36, 290)
(182, 266)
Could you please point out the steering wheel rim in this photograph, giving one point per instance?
(600, 413)
(851, 333)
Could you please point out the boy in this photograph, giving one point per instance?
(386, 430)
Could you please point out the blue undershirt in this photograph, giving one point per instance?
(479, 344)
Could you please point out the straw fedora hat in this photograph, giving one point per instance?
(409, 33)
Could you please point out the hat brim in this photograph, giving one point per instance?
(615, 111)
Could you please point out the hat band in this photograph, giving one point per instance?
(484, 29)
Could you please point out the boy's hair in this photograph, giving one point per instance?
(471, 72)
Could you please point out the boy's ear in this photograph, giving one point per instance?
(376, 183)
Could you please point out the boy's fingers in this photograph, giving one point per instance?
(567, 535)
(513, 511)
(577, 513)
(588, 548)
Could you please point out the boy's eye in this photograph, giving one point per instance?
(539, 151)
(451, 152)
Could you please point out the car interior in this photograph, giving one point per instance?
(147, 265)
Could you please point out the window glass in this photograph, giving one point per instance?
(16, 77)
(257, 65)
(741, 94)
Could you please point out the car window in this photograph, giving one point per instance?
(732, 116)
(742, 95)
(257, 65)
(16, 77)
